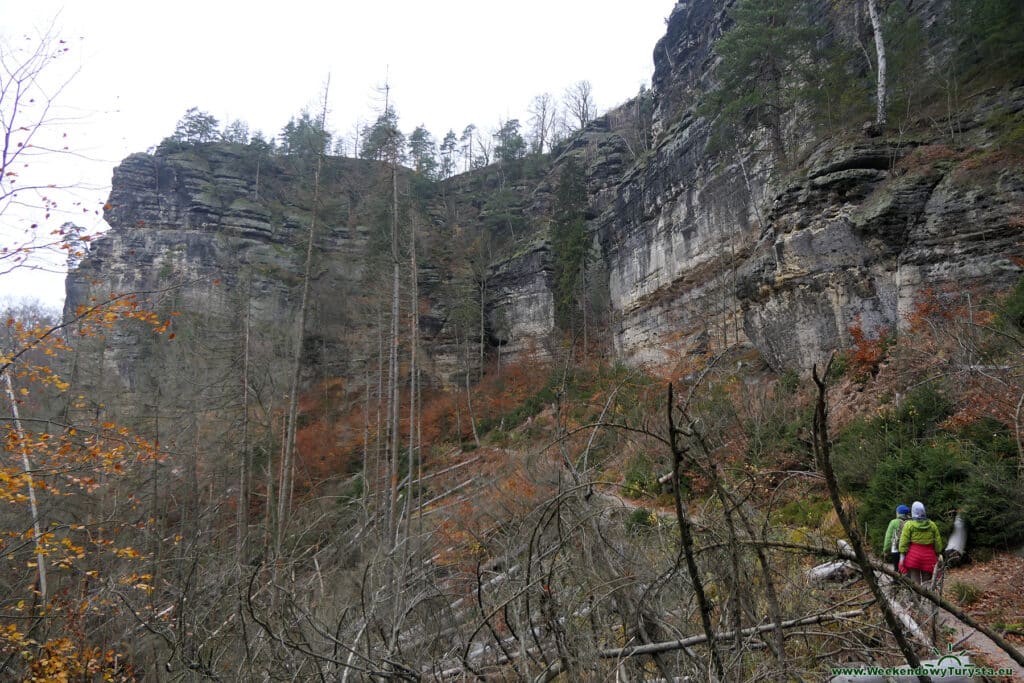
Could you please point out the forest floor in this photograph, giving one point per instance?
(994, 596)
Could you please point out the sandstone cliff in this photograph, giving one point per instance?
(707, 248)
(698, 249)
(203, 234)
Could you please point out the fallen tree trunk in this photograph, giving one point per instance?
(843, 569)
(670, 645)
(931, 596)
(834, 569)
(957, 545)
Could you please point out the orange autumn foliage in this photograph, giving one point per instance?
(955, 333)
(336, 424)
(70, 466)
(868, 350)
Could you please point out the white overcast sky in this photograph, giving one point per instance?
(139, 65)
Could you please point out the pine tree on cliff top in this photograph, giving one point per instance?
(762, 73)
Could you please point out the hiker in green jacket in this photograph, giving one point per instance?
(920, 545)
(891, 544)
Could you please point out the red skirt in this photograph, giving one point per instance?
(922, 557)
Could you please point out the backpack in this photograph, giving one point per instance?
(896, 536)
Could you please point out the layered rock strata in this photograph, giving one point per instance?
(701, 250)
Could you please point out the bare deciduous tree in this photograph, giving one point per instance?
(32, 78)
(287, 458)
(542, 121)
(579, 102)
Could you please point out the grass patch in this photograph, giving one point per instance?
(965, 593)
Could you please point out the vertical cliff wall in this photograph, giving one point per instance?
(203, 234)
(699, 249)
(707, 249)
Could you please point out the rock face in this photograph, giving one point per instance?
(673, 242)
(683, 58)
(699, 250)
(522, 313)
(865, 233)
(195, 234)
(704, 250)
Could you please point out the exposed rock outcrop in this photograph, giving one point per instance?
(195, 234)
(697, 242)
(866, 232)
(700, 249)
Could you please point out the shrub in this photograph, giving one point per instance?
(921, 412)
(779, 430)
(991, 502)
(805, 512)
(640, 520)
(529, 407)
(949, 475)
(840, 364)
(1012, 313)
(868, 351)
(932, 473)
(789, 382)
(352, 490)
(857, 451)
(640, 477)
(990, 435)
(865, 443)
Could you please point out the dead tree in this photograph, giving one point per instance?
(822, 455)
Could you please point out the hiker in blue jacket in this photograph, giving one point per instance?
(891, 544)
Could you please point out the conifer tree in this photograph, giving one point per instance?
(468, 134)
(196, 127)
(763, 72)
(569, 244)
(423, 152)
(510, 145)
(383, 140)
(991, 33)
(305, 136)
(448, 147)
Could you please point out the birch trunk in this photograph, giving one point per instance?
(881, 94)
(27, 467)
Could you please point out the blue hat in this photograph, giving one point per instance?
(902, 510)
